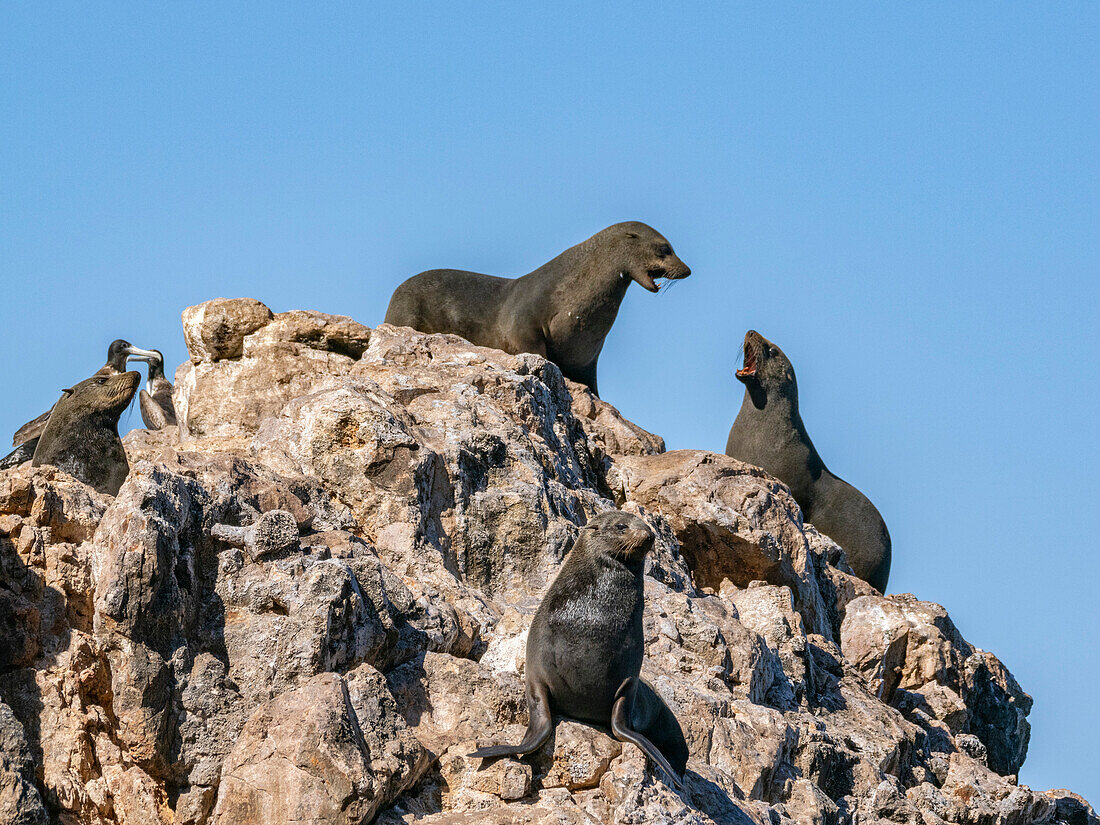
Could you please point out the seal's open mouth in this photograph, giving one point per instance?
(750, 362)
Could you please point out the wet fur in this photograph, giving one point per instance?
(563, 310)
(769, 433)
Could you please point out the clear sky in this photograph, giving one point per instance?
(905, 197)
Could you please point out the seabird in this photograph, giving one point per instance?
(26, 437)
(157, 410)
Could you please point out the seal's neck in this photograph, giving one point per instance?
(585, 272)
(580, 291)
(766, 423)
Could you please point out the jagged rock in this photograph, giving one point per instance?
(1072, 809)
(341, 670)
(579, 757)
(733, 521)
(274, 531)
(316, 330)
(216, 329)
(914, 657)
(319, 753)
(20, 803)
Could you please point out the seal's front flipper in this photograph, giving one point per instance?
(538, 728)
(620, 726)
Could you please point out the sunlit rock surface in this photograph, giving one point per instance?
(176, 654)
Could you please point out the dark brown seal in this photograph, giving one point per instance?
(585, 646)
(157, 409)
(81, 436)
(26, 437)
(563, 310)
(769, 434)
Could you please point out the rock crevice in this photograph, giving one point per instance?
(310, 600)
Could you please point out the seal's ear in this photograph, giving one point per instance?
(67, 392)
(632, 234)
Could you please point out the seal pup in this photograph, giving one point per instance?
(81, 436)
(26, 437)
(585, 646)
(768, 433)
(562, 311)
(157, 410)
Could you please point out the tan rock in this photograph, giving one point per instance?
(580, 757)
(426, 492)
(733, 521)
(913, 656)
(316, 330)
(216, 329)
(303, 757)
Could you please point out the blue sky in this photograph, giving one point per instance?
(905, 197)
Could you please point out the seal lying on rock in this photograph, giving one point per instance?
(769, 434)
(584, 649)
(81, 436)
(563, 310)
(26, 437)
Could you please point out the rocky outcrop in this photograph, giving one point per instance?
(311, 600)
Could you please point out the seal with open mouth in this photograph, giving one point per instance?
(81, 436)
(769, 434)
(585, 646)
(563, 310)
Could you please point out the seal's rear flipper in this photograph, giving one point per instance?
(538, 729)
(620, 726)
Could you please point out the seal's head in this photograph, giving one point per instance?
(766, 369)
(103, 396)
(643, 254)
(119, 351)
(622, 535)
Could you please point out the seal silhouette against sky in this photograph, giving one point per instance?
(585, 646)
(563, 310)
(768, 432)
(26, 437)
(81, 436)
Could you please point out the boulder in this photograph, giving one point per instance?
(311, 602)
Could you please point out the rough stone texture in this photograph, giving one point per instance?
(274, 531)
(168, 659)
(216, 329)
(246, 363)
(914, 657)
(733, 521)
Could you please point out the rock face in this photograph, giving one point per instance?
(311, 601)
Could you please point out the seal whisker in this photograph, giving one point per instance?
(769, 433)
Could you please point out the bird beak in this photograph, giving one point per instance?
(136, 354)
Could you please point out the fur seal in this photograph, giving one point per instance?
(769, 434)
(585, 646)
(26, 437)
(81, 436)
(563, 310)
(157, 410)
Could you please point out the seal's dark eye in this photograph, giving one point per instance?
(101, 381)
(621, 526)
(664, 250)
